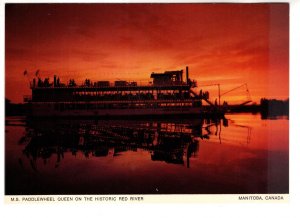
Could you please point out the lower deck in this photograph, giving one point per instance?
(120, 109)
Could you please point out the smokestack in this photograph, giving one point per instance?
(54, 80)
(187, 74)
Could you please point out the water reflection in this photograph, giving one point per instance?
(240, 154)
(169, 141)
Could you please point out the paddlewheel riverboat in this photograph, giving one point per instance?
(169, 94)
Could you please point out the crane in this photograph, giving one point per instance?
(224, 93)
(247, 91)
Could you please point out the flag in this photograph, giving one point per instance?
(25, 72)
(37, 72)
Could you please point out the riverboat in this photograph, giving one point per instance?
(169, 94)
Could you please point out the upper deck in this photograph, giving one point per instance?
(169, 80)
(167, 85)
(114, 88)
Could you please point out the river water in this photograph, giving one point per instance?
(240, 155)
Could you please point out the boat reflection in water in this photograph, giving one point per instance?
(171, 142)
(154, 156)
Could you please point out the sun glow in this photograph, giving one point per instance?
(221, 43)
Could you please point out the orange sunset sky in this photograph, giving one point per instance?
(230, 44)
